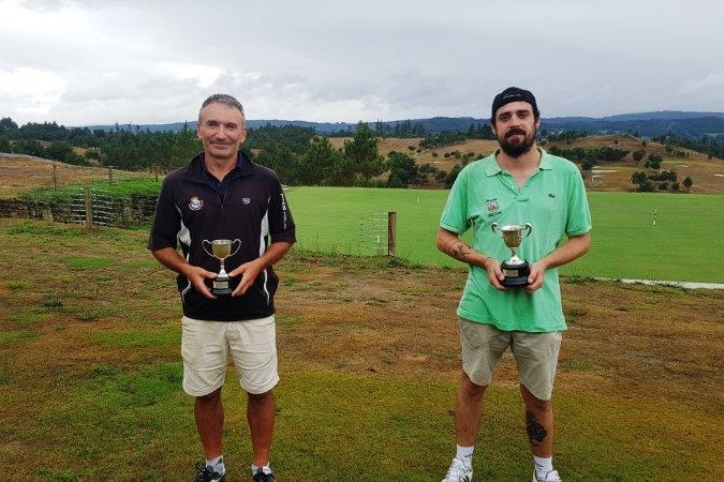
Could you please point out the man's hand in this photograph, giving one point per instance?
(197, 276)
(536, 277)
(248, 272)
(495, 273)
(171, 259)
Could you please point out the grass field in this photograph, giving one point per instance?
(369, 353)
(369, 358)
(683, 245)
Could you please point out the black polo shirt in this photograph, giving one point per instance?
(248, 205)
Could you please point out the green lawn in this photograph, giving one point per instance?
(681, 246)
(90, 372)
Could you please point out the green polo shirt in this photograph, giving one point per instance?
(553, 200)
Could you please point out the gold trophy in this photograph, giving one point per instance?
(221, 249)
(516, 270)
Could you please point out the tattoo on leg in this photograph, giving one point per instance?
(536, 431)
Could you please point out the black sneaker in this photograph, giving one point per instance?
(260, 476)
(206, 473)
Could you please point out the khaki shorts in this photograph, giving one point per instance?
(536, 355)
(205, 346)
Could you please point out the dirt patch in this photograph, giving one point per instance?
(342, 314)
(657, 350)
(402, 323)
(20, 173)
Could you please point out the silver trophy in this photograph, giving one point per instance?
(221, 249)
(516, 270)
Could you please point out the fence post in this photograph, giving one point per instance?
(88, 208)
(55, 177)
(391, 233)
(110, 174)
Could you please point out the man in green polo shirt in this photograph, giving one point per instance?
(519, 183)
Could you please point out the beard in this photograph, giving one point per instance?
(517, 148)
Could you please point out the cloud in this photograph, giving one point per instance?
(83, 61)
(30, 92)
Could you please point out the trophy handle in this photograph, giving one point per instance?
(494, 227)
(528, 227)
(203, 245)
(238, 246)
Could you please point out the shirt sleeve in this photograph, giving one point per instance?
(579, 213)
(166, 221)
(281, 222)
(455, 213)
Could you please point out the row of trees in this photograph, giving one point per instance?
(297, 155)
(581, 154)
(712, 146)
(664, 180)
(122, 149)
(358, 163)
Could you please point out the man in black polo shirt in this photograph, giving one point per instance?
(221, 194)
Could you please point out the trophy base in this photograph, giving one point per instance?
(221, 288)
(516, 276)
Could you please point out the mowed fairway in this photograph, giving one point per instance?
(683, 244)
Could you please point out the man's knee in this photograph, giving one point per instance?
(470, 389)
(210, 398)
(261, 398)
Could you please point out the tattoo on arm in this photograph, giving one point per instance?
(460, 251)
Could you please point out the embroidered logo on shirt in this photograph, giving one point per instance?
(246, 200)
(492, 205)
(195, 204)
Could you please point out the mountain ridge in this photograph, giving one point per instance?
(647, 124)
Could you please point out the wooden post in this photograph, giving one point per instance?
(391, 233)
(110, 174)
(55, 177)
(88, 208)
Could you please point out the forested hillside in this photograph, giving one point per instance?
(367, 156)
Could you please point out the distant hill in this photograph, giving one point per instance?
(647, 124)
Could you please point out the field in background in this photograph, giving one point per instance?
(682, 245)
(708, 174)
(20, 173)
(90, 372)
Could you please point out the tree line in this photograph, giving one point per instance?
(297, 154)
(710, 145)
(301, 157)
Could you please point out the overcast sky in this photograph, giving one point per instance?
(81, 62)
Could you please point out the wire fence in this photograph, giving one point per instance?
(373, 233)
(91, 207)
(377, 233)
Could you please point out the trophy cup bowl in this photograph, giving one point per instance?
(221, 249)
(516, 270)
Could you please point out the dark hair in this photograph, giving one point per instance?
(225, 99)
(514, 94)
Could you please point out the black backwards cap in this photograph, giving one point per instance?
(513, 94)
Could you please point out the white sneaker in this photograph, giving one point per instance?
(551, 476)
(458, 472)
